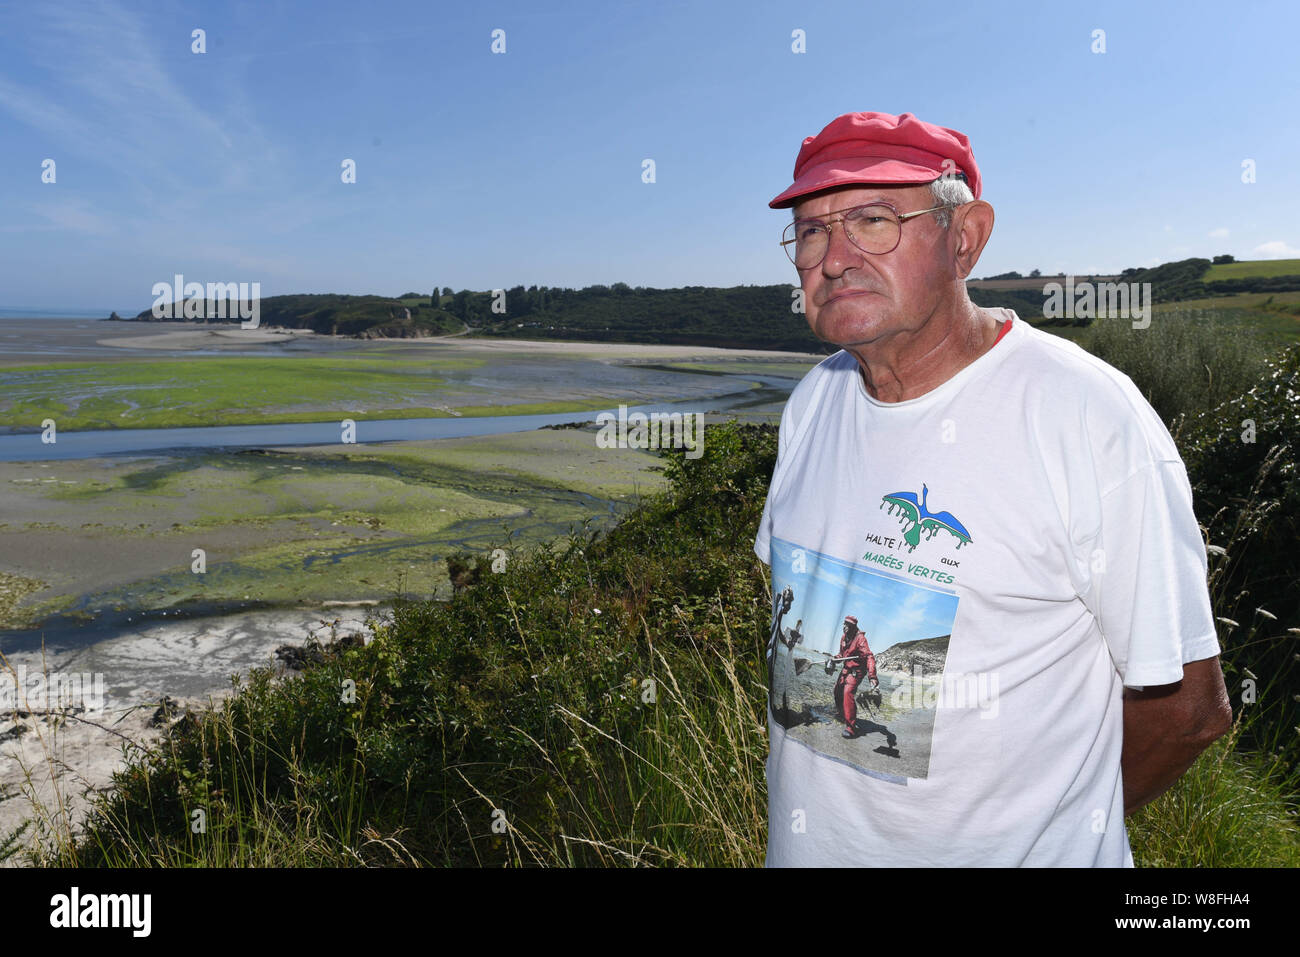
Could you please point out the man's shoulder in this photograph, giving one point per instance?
(1075, 388)
(835, 364)
(1058, 360)
(830, 371)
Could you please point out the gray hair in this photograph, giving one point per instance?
(949, 192)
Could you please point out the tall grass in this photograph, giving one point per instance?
(1185, 362)
(1230, 809)
(1236, 806)
(1226, 400)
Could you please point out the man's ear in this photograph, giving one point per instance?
(972, 224)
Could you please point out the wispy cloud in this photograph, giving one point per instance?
(1277, 249)
(254, 266)
(74, 215)
(110, 92)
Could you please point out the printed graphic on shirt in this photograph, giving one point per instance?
(856, 661)
(917, 519)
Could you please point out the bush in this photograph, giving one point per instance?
(1242, 460)
(1185, 362)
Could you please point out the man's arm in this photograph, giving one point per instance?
(871, 662)
(1167, 726)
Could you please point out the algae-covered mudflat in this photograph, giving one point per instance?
(92, 540)
(161, 393)
(86, 536)
(87, 375)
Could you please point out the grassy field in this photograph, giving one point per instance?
(1253, 269)
(1266, 314)
(1273, 318)
(1036, 282)
(1237, 270)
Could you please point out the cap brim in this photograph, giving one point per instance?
(858, 171)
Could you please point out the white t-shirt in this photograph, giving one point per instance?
(1017, 544)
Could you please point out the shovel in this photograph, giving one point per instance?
(803, 664)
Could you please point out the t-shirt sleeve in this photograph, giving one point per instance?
(763, 539)
(1148, 577)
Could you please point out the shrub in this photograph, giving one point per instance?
(1186, 362)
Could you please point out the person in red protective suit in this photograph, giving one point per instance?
(860, 660)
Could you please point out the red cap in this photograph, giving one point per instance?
(851, 619)
(871, 148)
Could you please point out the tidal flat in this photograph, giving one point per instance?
(253, 390)
(88, 536)
(85, 538)
(125, 375)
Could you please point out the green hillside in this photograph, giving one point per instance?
(1259, 268)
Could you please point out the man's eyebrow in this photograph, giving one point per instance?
(879, 198)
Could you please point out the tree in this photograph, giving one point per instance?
(1220, 260)
(1035, 274)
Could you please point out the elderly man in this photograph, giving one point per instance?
(957, 463)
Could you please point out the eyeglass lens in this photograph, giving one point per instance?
(873, 229)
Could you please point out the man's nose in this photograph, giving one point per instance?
(840, 252)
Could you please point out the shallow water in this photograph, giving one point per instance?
(492, 378)
(28, 447)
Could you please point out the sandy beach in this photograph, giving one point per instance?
(169, 337)
(52, 765)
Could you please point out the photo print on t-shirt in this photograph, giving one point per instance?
(835, 626)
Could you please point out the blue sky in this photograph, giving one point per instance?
(481, 170)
